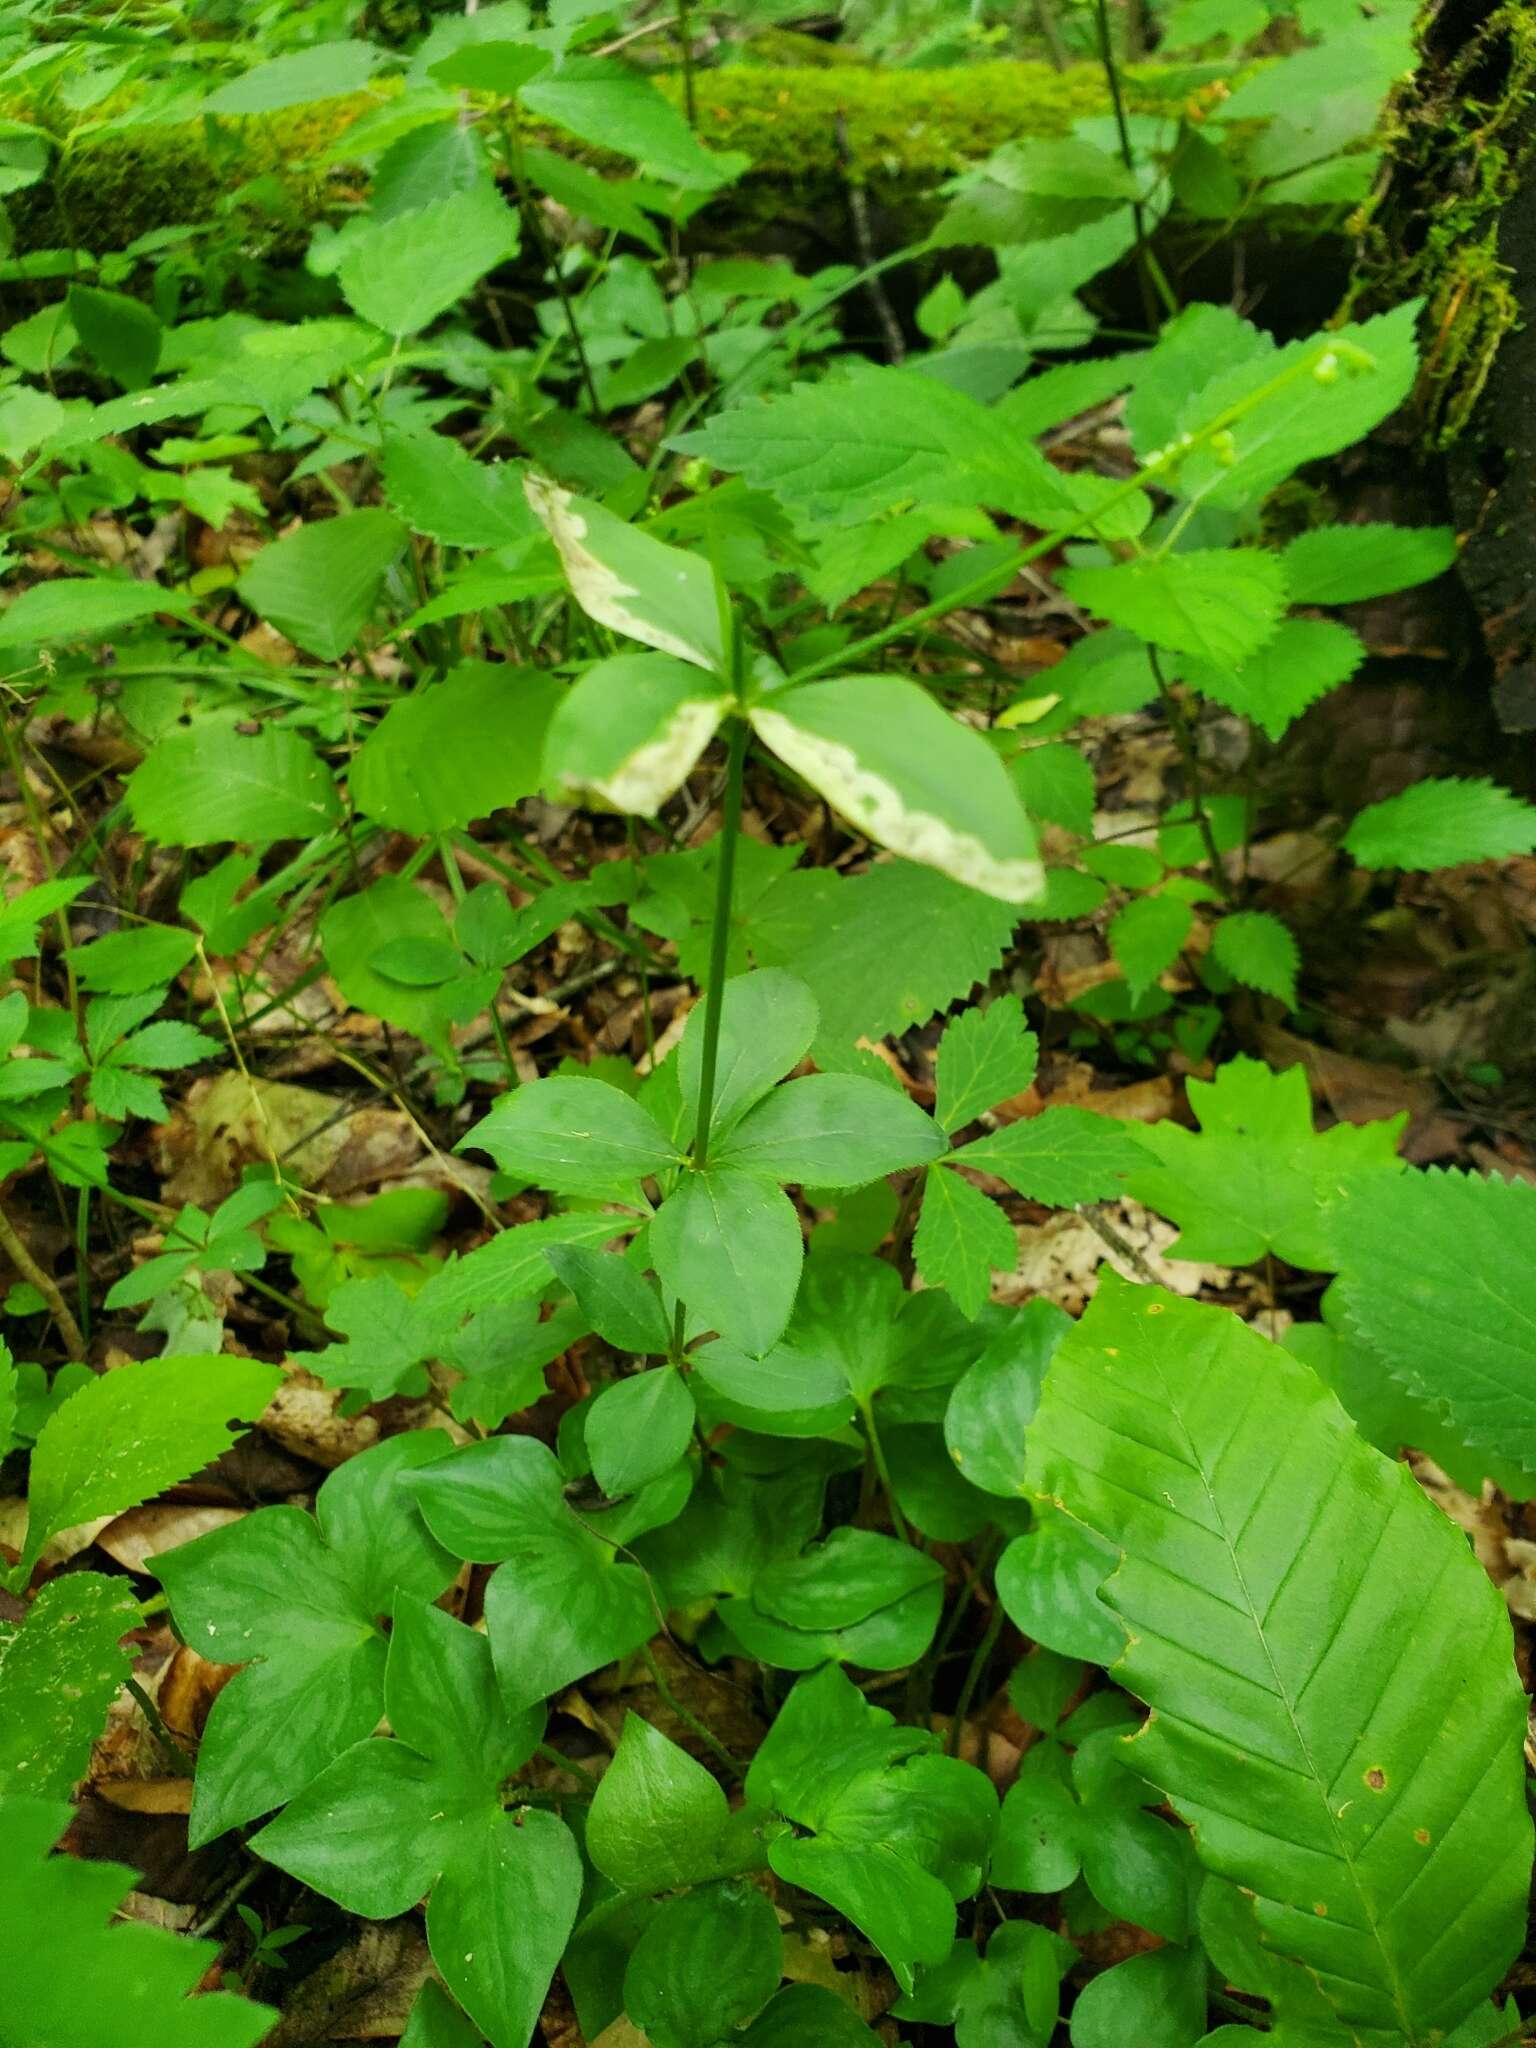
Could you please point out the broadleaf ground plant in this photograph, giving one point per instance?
(741, 1306)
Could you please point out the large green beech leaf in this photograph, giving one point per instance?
(73, 1977)
(1438, 1281)
(298, 1600)
(901, 769)
(631, 728)
(562, 1603)
(631, 582)
(425, 1810)
(1335, 1705)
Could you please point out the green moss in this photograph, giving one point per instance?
(1458, 136)
(904, 130)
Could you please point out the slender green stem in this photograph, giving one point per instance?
(1154, 284)
(977, 1666)
(720, 934)
(689, 1721)
(158, 1729)
(1189, 754)
(877, 1452)
(569, 1764)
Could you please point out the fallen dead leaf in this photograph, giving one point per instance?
(134, 1538)
(227, 1122)
(303, 1417)
(1060, 1258)
(364, 1993)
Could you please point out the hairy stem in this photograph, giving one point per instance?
(1189, 754)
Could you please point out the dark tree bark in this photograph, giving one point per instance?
(1454, 220)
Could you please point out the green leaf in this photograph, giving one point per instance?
(132, 962)
(297, 1599)
(994, 1400)
(616, 107)
(1056, 782)
(1345, 564)
(807, 2012)
(205, 783)
(849, 941)
(82, 1983)
(68, 609)
(656, 1818)
(454, 753)
(320, 584)
(128, 1434)
(1221, 604)
(630, 582)
(1257, 1176)
(1312, 415)
(903, 771)
(1049, 1582)
(1235, 1487)
(391, 1818)
(840, 453)
(424, 164)
(400, 274)
(962, 1239)
(623, 1308)
(1437, 1281)
(120, 335)
(1198, 344)
(1439, 823)
(321, 72)
(1259, 951)
(574, 1136)
(355, 931)
(606, 202)
(894, 1837)
(832, 1131)
(60, 1670)
(1146, 937)
(1062, 1157)
(727, 1242)
(439, 489)
(767, 1023)
(562, 1604)
(985, 1056)
(632, 728)
(638, 1428)
(436, 2022)
(1273, 686)
(706, 1962)
(842, 1580)
(1157, 2000)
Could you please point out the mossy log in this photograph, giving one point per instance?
(807, 132)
